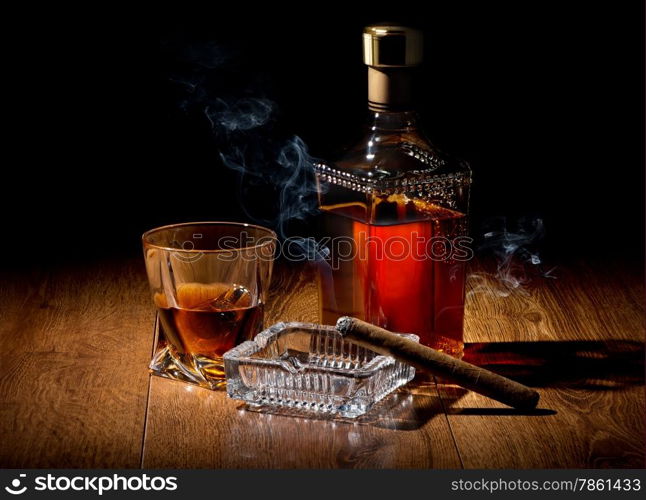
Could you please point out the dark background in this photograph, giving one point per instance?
(544, 99)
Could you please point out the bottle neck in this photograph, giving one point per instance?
(390, 89)
(393, 121)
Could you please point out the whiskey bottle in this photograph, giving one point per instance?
(394, 211)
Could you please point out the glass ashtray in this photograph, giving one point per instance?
(312, 369)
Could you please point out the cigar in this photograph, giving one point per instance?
(454, 370)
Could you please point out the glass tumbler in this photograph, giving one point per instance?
(209, 282)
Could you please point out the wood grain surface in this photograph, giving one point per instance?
(579, 339)
(75, 344)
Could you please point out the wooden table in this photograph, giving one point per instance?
(75, 343)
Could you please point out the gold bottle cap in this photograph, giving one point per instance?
(392, 46)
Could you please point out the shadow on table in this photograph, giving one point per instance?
(587, 365)
(590, 365)
(500, 412)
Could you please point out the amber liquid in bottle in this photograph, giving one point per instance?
(393, 278)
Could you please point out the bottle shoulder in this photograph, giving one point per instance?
(384, 158)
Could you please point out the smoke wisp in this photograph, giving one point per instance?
(277, 184)
(515, 246)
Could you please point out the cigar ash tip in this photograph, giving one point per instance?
(343, 324)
